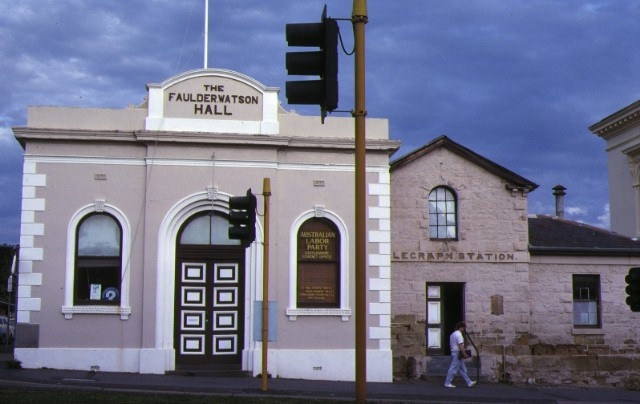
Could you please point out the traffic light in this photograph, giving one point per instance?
(323, 63)
(242, 217)
(633, 288)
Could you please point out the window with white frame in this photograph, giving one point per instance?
(319, 266)
(586, 301)
(98, 271)
(443, 223)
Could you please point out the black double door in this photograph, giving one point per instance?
(209, 307)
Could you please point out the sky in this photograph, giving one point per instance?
(517, 81)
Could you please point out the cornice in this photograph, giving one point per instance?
(23, 134)
(617, 122)
(26, 133)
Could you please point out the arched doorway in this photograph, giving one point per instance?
(209, 302)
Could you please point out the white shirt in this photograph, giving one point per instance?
(455, 340)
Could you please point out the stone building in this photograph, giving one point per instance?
(581, 330)
(126, 264)
(543, 297)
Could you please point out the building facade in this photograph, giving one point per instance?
(582, 331)
(126, 264)
(621, 132)
(543, 298)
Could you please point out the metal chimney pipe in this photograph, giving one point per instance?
(558, 192)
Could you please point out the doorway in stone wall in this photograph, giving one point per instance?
(444, 308)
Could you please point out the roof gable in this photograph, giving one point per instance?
(515, 180)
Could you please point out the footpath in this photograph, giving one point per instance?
(407, 391)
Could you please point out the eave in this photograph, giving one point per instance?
(617, 122)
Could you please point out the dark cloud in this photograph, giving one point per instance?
(516, 81)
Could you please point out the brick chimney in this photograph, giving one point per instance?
(558, 192)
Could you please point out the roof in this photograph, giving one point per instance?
(554, 236)
(514, 179)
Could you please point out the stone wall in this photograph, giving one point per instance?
(490, 217)
(408, 346)
(519, 312)
(543, 348)
(588, 362)
(564, 354)
(492, 221)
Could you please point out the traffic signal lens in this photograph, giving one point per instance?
(633, 289)
(305, 63)
(304, 92)
(307, 34)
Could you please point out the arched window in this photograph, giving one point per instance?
(443, 223)
(318, 264)
(207, 229)
(98, 269)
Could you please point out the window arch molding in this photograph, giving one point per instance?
(443, 213)
(69, 309)
(344, 311)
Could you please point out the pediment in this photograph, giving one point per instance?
(215, 101)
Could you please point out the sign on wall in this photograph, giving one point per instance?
(318, 264)
(213, 101)
(213, 98)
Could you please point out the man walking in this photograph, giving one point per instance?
(458, 355)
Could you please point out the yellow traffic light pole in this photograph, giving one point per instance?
(359, 18)
(266, 192)
(299, 93)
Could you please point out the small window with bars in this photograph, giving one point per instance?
(586, 300)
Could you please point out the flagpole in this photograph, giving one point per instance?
(206, 33)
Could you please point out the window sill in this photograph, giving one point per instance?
(587, 331)
(294, 313)
(69, 311)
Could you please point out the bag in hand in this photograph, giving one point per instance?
(467, 351)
